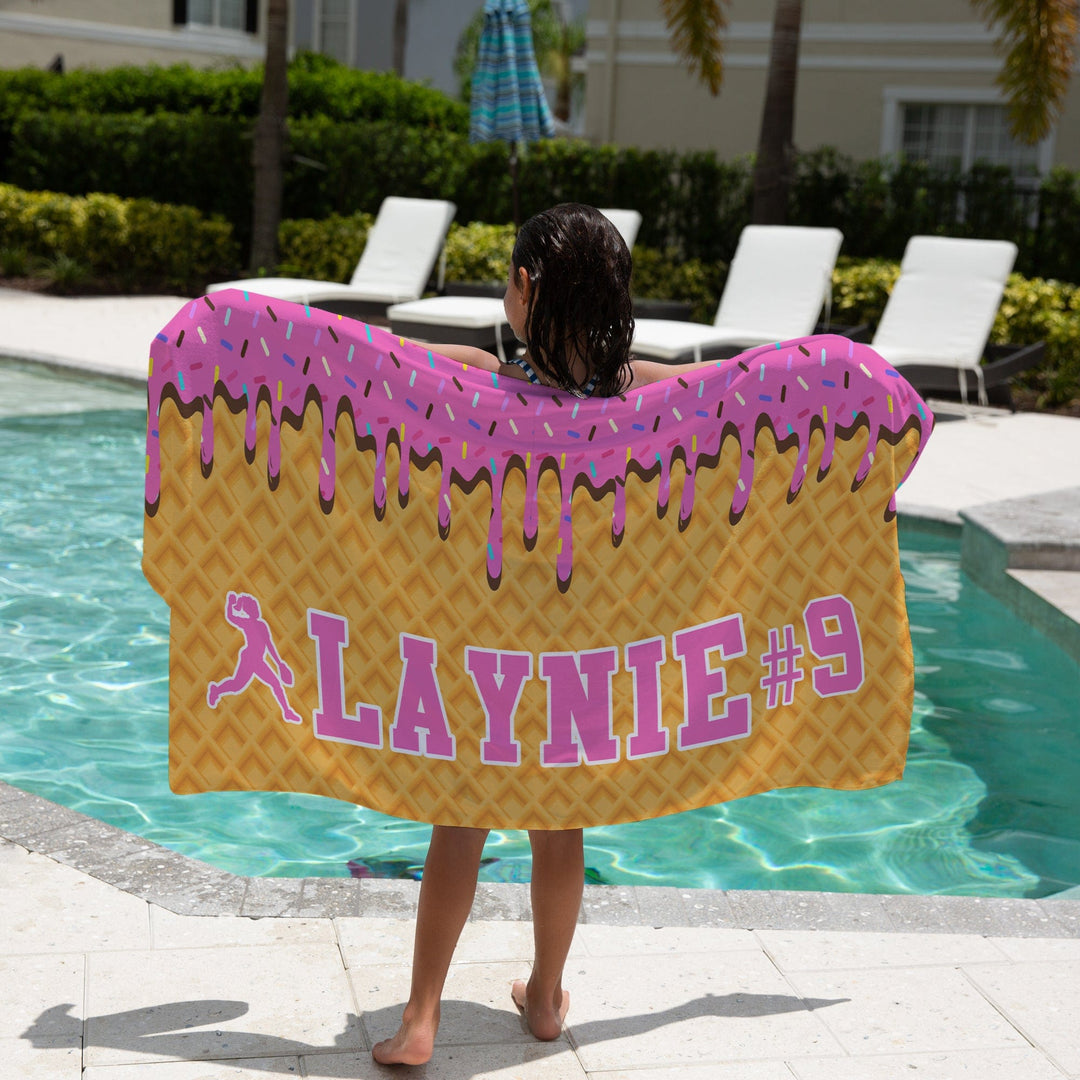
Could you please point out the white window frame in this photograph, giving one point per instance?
(214, 26)
(896, 97)
(353, 15)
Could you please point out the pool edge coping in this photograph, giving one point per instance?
(157, 875)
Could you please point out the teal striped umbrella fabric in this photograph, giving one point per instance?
(507, 96)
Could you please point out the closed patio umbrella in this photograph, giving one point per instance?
(508, 100)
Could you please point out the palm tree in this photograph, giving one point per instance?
(268, 155)
(1037, 36)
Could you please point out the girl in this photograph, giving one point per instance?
(568, 300)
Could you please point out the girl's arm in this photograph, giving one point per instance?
(467, 354)
(650, 371)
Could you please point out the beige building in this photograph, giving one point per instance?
(875, 79)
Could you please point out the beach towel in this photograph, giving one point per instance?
(462, 599)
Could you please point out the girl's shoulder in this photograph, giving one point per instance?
(644, 372)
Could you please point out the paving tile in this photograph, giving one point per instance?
(644, 940)
(389, 899)
(41, 996)
(1022, 1063)
(914, 1010)
(748, 1070)
(533, 1062)
(52, 908)
(610, 904)
(249, 1002)
(379, 942)
(661, 905)
(182, 885)
(476, 1005)
(242, 1069)
(1043, 1000)
(43, 1059)
(329, 898)
(1006, 917)
(715, 1008)
(1037, 950)
(171, 931)
(803, 950)
(500, 900)
(272, 897)
(711, 907)
(830, 911)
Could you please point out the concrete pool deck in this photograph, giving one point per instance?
(122, 959)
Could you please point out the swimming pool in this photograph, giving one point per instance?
(989, 805)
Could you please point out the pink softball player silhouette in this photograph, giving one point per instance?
(254, 661)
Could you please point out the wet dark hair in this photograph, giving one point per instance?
(579, 266)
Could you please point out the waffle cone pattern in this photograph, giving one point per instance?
(466, 600)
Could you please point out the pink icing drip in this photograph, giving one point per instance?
(477, 424)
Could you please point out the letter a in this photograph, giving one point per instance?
(420, 726)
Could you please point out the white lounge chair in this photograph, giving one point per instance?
(402, 247)
(478, 320)
(779, 279)
(937, 320)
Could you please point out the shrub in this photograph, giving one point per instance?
(328, 249)
(137, 243)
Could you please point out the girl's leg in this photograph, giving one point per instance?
(446, 895)
(558, 879)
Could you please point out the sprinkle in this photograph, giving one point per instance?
(693, 445)
(574, 411)
(741, 485)
(739, 398)
(326, 365)
(228, 315)
(888, 398)
(802, 383)
(592, 469)
(202, 336)
(761, 374)
(528, 460)
(226, 345)
(513, 426)
(265, 347)
(547, 428)
(386, 387)
(180, 380)
(476, 398)
(464, 450)
(217, 374)
(402, 435)
(825, 413)
(279, 390)
(367, 328)
(629, 454)
(288, 331)
(614, 426)
(823, 357)
(475, 424)
(637, 407)
(494, 469)
(352, 349)
(350, 382)
(562, 460)
(678, 415)
(865, 370)
(325, 467)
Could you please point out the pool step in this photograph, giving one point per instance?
(1026, 552)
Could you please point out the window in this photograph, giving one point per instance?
(959, 136)
(335, 34)
(241, 15)
(957, 128)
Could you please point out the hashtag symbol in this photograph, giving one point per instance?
(784, 671)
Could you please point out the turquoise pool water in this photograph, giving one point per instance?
(989, 804)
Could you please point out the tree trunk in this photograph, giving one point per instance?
(775, 154)
(401, 34)
(268, 155)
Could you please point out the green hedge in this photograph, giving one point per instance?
(133, 243)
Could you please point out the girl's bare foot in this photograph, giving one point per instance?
(412, 1045)
(545, 1020)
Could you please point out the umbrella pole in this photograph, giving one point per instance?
(514, 183)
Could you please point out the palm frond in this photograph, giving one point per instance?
(1038, 38)
(695, 27)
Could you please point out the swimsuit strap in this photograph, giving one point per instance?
(530, 374)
